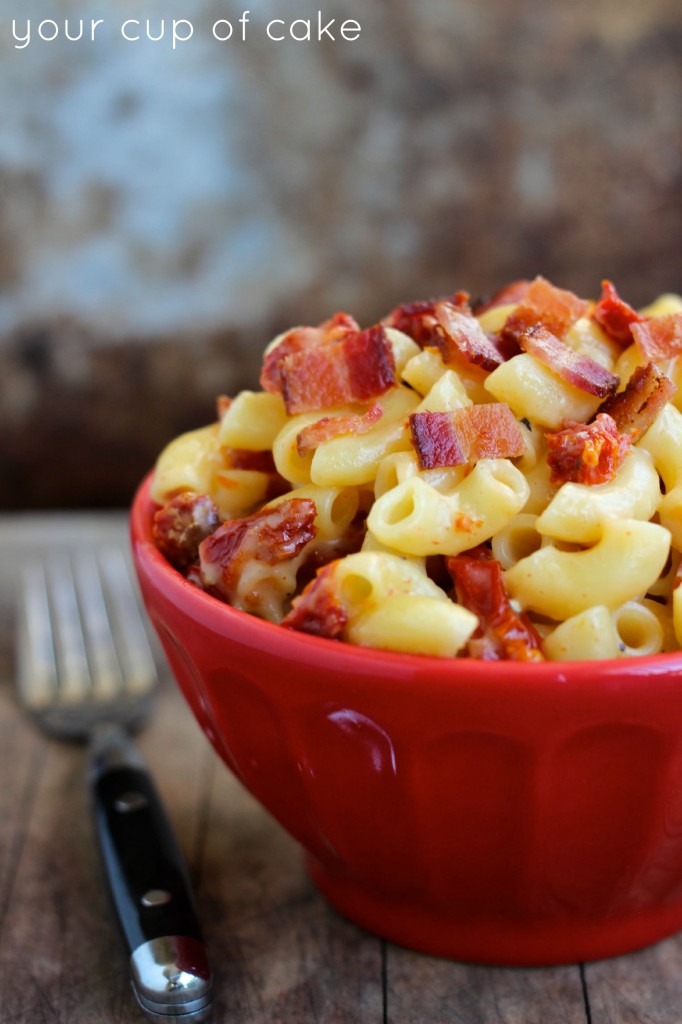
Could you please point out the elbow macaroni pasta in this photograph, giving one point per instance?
(196, 462)
(354, 459)
(562, 583)
(593, 567)
(391, 602)
(577, 512)
(537, 394)
(416, 518)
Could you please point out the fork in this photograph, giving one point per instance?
(86, 672)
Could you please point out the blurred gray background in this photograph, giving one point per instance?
(163, 213)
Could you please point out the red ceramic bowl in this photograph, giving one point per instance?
(493, 812)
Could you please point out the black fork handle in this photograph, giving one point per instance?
(148, 882)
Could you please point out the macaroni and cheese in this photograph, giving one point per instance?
(498, 479)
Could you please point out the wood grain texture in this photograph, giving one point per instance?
(281, 954)
(22, 759)
(421, 988)
(61, 958)
(642, 988)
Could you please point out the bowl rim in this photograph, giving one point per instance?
(306, 647)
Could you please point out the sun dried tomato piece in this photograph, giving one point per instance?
(503, 633)
(635, 409)
(614, 315)
(579, 371)
(455, 438)
(318, 610)
(358, 368)
(182, 524)
(584, 453)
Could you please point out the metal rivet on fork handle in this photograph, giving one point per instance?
(86, 672)
(129, 802)
(156, 898)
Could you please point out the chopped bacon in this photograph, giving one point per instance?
(274, 534)
(580, 371)
(635, 409)
(659, 337)
(300, 338)
(614, 316)
(511, 293)
(503, 633)
(455, 438)
(180, 526)
(461, 335)
(356, 369)
(587, 453)
(554, 308)
(318, 610)
(328, 427)
(242, 458)
(418, 319)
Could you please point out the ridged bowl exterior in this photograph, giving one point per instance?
(500, 813)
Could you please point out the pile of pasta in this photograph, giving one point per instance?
(498, 479)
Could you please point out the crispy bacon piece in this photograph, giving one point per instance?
(635, 409)
(242, 458)
(418, 319)
(511, 293)
(181, 525)
(466, 435)
(580, 371)
(333, 426)
(659, 337)
(461, 335)
(554, 308)
(587, 453)
(318, 610)
(270, 536)
(503, 633)
(300, 338)
(614, 316)
(356, 369)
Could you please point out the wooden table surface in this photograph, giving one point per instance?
(279, 952)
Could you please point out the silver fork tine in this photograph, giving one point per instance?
(72, 662)
(136, 656)
(105, 670)
(87, 672)
(37, 677)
